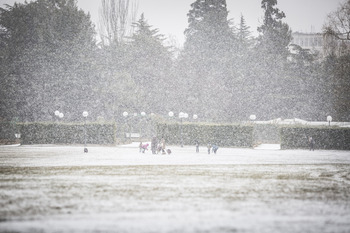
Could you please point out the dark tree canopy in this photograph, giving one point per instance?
(47, 45)
(275, 35)
(50, 61)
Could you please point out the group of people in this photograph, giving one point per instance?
(157, 147)
(211, 148)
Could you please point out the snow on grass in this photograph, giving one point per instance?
(117, 189)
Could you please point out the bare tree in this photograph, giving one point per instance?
(336, 31)
(338, 23)
(116, 18)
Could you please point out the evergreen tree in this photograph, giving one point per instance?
(149, 67)
(270, 57)
(275, 35)
(205, 63)
(209, 30)
(244, 36)
(48, 48)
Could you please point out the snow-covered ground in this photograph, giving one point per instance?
(117, 189)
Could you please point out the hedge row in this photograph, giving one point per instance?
(8, 130)
(330, 138)
(222, 135)
(51, 133)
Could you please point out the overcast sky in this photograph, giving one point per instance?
(170, 16)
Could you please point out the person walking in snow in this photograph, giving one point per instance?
(162, 145)
(311, 144)
(197, 146)
(154, 144)
(140, 147)
(215, 148)
(209, 147)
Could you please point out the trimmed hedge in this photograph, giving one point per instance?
(329, 138)
(8, 130)
(61, 133)
(221, 135)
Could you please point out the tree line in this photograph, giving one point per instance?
(50, 60)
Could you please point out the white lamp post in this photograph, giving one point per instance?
(85, 115)
(181, 116)
(329, 119)
(17, 135)
(59, 115)
(252, 117)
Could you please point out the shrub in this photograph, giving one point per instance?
(335, 138)
(223, 135)
(62, 133)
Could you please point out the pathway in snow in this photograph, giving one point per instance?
(268, 147)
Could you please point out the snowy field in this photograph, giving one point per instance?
(117, 189)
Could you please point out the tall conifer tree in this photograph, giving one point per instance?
(205, 61)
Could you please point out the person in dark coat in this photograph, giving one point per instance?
(140, 147)
(215, 148)
(311, 144)
(154, 144)
(197, 146)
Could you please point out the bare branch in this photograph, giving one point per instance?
(116, 18)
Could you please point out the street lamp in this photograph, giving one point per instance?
(171, 114)
(18, 136)
(85, 114)
(181, 116)
(195, 117)
(329, 119)
(252, 117)
(57, 113)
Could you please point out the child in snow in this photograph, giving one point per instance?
(215, 148)
(144, 147)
